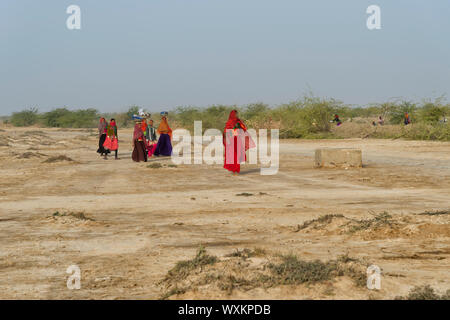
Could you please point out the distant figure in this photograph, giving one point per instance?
(164, 146)
(236, 141)
(112, 140)
(337, 120)
(102, 137)
(407, 119)
(139, 149)
(380, 120)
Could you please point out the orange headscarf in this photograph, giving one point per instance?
(164, 127)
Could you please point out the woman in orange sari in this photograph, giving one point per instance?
(236, 141)
(164, 146)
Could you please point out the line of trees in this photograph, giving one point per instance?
(303, 118)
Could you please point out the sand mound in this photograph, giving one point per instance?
(246, 270)
(71, 219)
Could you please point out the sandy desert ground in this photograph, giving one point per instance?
(138, 222)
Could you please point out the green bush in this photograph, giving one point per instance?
(397, 114)
(55, 117)
(307, 117)
(64, 118)
(25, 118)
(432, 113)
(213, 117)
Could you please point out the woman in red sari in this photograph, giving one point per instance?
(139, 149)
(236, 141)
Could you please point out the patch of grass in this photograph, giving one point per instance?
(236, 273)
(58, 159)
(295, 271)
(31, 133)
(424, 293)
(171, 292)
(171, 165)
(244, 194)
(77, 215)
(247, 253)
(183, 268)
(325, 219)
(345, 258)
(292, 270)
(28, 155)
(229, 283)
(155, 165)
(435, 213)
(379, 220)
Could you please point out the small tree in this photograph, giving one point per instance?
(431, 112)
(25, 118)
(397, 114)
(55, 118)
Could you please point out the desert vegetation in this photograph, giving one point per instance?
(309, 118)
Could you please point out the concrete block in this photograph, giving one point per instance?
(338, 157)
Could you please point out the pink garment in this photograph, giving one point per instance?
(111, 144)
(151, 149)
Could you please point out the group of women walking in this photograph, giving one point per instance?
(236, 140)
(108, 139)
(145, 143)
(144, 140)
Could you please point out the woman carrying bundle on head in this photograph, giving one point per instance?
(236, 141)
(139, 149)
(102, 137)
(112, 140)
(164, 146)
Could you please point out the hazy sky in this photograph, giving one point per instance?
(165, 53)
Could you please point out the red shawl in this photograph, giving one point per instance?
(138, 134)
(232, 120)
(231, 123)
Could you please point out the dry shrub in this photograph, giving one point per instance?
(425, 292)
(272, 270)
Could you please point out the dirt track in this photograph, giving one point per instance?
(145, 220)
